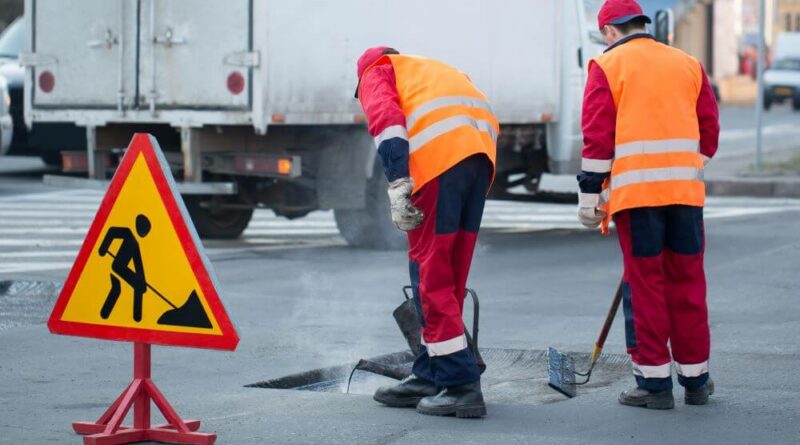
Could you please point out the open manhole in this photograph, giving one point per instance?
(26, 302)
(512, 375)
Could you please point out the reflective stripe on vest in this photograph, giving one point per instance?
(443, 102)
(656, 156)
(653, 147)
(656, 174)
(425, 136)
(448, 119)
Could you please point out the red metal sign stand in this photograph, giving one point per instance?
(108, 430)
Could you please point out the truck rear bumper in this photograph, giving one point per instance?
(184, 188)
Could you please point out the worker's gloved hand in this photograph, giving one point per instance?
(588, 213)
(404, 215)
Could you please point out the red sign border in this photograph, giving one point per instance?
(146, 145)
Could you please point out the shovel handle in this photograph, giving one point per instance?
(475, 317)
(612, 312)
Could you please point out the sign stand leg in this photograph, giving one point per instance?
(108, 429)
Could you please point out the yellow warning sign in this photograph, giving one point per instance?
(141, 274)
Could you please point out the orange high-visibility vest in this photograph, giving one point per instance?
(657, 159)
(448, 119)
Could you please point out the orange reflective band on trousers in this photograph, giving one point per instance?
(448, 119)
(656, 160)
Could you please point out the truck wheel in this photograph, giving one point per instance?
(767, 102)
(214, 221)
(372, 226)
(796, 104)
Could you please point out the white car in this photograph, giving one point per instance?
(782, 83)
(6, 127)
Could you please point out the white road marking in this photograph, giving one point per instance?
(43, 231)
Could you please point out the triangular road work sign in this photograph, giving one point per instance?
(141, 274)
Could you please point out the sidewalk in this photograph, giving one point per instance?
(736, 175)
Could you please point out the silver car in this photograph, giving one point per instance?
(6, 126)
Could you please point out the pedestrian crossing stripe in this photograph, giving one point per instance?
(141, 274)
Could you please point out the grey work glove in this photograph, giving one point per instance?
(404, 215)
(588, 213)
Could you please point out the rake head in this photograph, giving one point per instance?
(561, 372)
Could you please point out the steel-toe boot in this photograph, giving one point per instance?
(462, 401)
(407, 393)
(699, 396)
(648, 399)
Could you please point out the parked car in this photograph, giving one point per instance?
(45, 140)
(6, 127)
(782, 83)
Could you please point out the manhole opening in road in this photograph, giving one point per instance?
(25, 302)
(512, 375)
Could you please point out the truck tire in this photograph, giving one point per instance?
(372, 226)
(796, 104)
(216, 223)
(767, 102)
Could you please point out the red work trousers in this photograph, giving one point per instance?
(440, 254)
(664, 294)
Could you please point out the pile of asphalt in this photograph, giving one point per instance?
(512, 376)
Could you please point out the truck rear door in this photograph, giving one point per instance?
(85, 53)
(195, 54)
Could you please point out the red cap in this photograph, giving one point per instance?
(369, 57)
(617, 12)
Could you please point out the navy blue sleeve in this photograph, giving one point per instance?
(591, 182)
(394, 155)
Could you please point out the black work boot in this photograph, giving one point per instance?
(405, 394)
(647, 399)
(699, 396)
(462, 401)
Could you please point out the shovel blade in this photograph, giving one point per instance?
(561, 372)
(408, 321)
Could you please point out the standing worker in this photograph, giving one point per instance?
(435, 135)
(650, 123)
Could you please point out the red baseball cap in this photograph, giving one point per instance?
(370, 56)
(617, 12)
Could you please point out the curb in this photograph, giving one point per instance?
(773, 187)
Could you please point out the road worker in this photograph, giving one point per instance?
(650, 123)
(435, 135)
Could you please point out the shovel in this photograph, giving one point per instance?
(561, 367)
(409, 321)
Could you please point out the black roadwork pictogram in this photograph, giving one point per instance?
(190, 314)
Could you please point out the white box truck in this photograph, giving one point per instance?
(253, 99)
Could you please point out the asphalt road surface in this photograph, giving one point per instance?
(302, 300)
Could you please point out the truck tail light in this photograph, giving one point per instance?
(284, 166)
(263, 165)
(74, 161)
(235, 82)
(47, 81)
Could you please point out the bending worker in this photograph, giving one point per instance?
(650, 123)
(436, 137)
